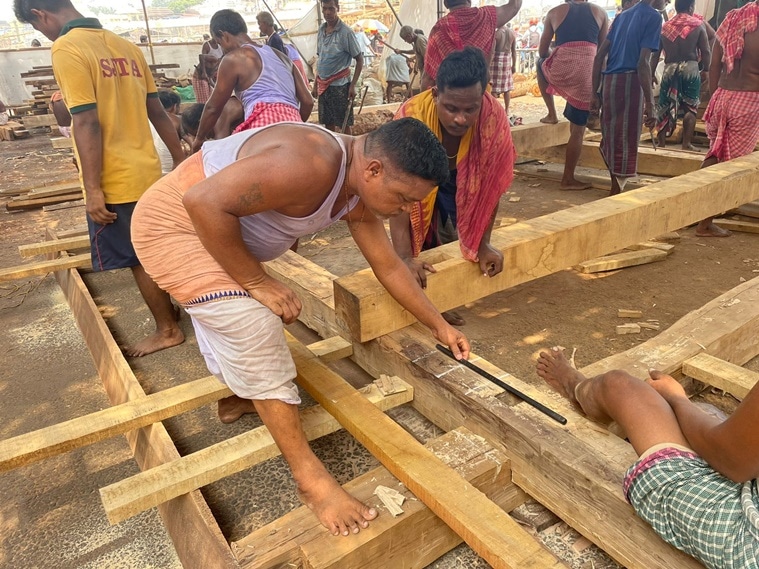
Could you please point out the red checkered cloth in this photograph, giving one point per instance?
(681, 26)
(323, 84)
(202, 90)
(569, 72)
(732, 123)
(500, 73)
(462, 27)
(730, 34)
(269, 113)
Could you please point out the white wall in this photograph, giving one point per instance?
(14, 62)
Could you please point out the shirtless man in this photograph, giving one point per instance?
(694, 480)
(203, 231)
(732, 121)
(579, 28)
(231, 117)
(685, 42)
(504, 65)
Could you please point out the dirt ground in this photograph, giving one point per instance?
(51, 512)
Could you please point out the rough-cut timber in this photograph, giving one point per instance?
(44, 267)
(622, 260)
(412, 540)
(484, 526)
(117, 420)
(188, 520)
(727, 328)
(54, 246)
(737, 225)
(143, 491)
(659, 162)
(554, 242)
(723, 375)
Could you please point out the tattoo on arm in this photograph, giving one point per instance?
(252, 198)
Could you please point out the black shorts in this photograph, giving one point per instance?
(111, 245)
(333, 104)
(575, 115)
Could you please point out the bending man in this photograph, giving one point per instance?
(475, 133)
(203, 231)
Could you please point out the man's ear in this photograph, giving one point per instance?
(38, 14)
(373, 169)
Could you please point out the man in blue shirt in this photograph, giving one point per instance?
(336, 48)
(627, 98)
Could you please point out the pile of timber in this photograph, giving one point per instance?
(13, 130)
(45, 196)
(42, 80)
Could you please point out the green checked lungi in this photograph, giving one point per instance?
(696, 509)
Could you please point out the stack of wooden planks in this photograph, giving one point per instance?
(45, 196)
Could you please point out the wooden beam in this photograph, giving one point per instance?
(54, 246)
(44, 267)
(483, 525)
(736, 225)
(560, 461)
(552, 463)
(726, 328)
(539, 135)
(331, 349)
(33, 202)
(641, 256)
(34, 121)
(414, 539)
(188, 520)
(62, 143)
(553, 242)
(659, 162)
(723, 375)
(143, 491)
(117, 420)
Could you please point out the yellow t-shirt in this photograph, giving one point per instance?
(96, 69)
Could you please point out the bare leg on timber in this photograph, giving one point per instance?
(337, 510)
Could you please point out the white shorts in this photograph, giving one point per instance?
(243, 343)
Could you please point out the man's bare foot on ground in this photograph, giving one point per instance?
(553, 366)
(711, 230)
(574, 184)
(232, 408)
(453, 318)
(157, 341)
(337, 510)
(549, 119)
(691, 148)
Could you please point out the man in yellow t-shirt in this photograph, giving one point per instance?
(109, 90)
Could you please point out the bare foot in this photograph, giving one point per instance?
(712, 230)
(337, 510)
(233, 407)
(574, 184)
(549, 119)
(554, 368)
(453, 318)
(159, 340)
(690, 147)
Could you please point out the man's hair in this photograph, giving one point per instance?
(682, 6)
(408, 145)
(191, 117)
(169, 98)
(266, 18)
(461, 69)
(453, 3)
(227, 21)
(405, 30)
(23, 8)
(336, 2)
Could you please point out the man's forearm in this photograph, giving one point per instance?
(644, 74)
(400, 234)
(597, 63)
(208, 120)
(357, 72)
(89, 146)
